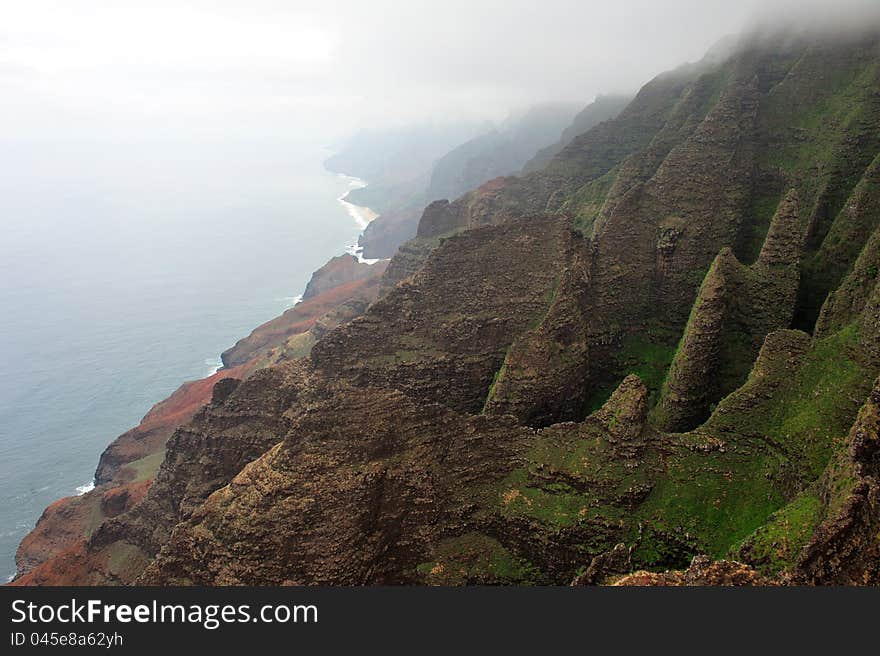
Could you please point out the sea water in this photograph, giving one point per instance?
(125, 269)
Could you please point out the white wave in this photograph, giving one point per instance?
(358, 251)
(361, 215)
(353, 181)
(290, 301)
(88, 487)
(215, 364)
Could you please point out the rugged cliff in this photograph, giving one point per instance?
(654, 360)
(504, 150)
(498, 151)
(603, 108)
(126, 470)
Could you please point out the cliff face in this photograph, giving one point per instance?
(662, 346)
(603, 108)
(441, 334)
(337, 292)
(497, 152)
(127, 468)
(397, 163)
(736, 308)
(504, 151)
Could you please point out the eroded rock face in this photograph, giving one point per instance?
(845, 549)
(849, 300)
(543, 377)
(371, 501)
(623, 417)
(340, 270)
(205, 454)
(441, 335)
(736, 308)
(349, 504)
(702, 571)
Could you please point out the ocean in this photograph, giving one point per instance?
(126, 270)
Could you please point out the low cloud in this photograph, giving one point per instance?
(320, 68)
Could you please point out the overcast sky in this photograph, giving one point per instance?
(265, 67)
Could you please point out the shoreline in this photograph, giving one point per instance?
(363, 216)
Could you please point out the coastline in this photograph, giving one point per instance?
(363, 216)
(52, 532)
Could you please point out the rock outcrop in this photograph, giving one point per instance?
(340, 270)
(845, 549)
(441, 335)
(702, 571)
(736, 308)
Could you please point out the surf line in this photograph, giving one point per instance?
(362, 216)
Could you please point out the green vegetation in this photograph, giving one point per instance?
(744, 452)
(837, 142)
(549, 297)
(475, 558)
(776, 544)
(774, 447)
(648, 355)
(495, 378)
(569, 479)
(750, 480)
(764, 203)
(820, 402)
(718, 498)
(147, 467)
(587, 202)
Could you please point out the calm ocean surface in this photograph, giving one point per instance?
(125, 271)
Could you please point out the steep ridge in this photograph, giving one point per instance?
(591, 370)
(541, 380)
(500, 151)
(845, 549)
(601, 109)
(736, 308)
(504, 151)
(441, 334)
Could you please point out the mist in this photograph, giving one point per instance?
(205, 70)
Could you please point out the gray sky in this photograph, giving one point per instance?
(76, 68)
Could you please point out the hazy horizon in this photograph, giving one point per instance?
(116, 71)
